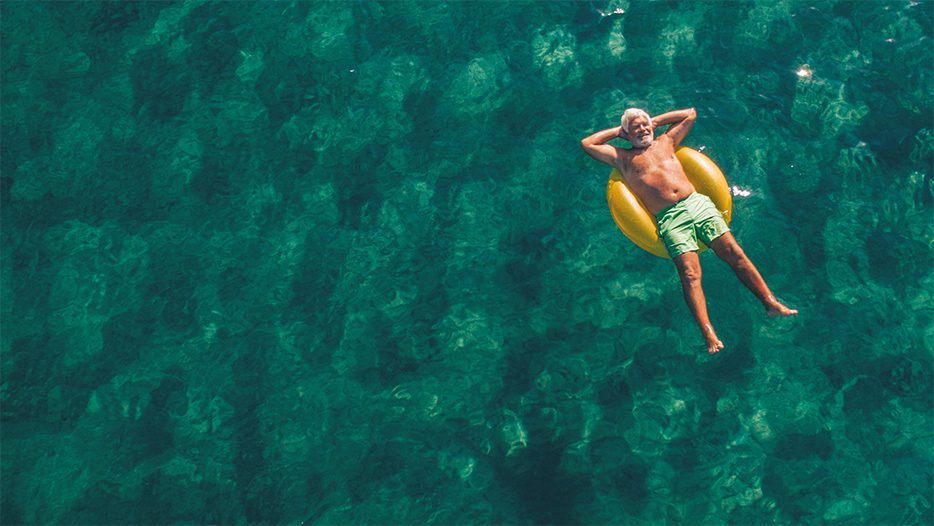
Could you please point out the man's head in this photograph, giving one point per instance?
(637, 124)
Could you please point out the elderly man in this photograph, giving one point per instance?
(656, 177)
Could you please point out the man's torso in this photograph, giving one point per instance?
(655, 175)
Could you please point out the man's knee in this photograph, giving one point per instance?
(733, 253)
(727, 249)
(690, 278)
(689, 269)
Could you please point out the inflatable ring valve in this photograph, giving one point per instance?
(639, 225)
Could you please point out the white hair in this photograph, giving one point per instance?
(631, 114)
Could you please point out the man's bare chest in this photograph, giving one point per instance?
(650, 166)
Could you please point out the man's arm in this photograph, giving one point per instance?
(596, 146)
(681, 121)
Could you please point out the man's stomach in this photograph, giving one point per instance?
(657, 199)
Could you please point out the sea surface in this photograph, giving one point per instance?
(346, 263)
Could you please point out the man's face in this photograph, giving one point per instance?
(640, 132)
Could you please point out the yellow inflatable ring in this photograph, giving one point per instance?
(639, 225)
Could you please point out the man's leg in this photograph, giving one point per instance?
(729, 250)
(689, 270)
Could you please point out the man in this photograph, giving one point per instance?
(656, 177)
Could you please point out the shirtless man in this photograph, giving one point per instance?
(655, 175)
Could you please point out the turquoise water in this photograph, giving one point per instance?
(345, 263)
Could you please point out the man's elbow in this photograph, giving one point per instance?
(692, 113)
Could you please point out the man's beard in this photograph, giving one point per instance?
(644, 142)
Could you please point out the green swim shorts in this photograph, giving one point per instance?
(692, 218)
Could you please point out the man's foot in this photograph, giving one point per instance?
(777, 309)
(713, 344)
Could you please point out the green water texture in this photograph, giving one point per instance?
(346, 263)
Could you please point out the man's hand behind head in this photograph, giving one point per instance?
(622, 133)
